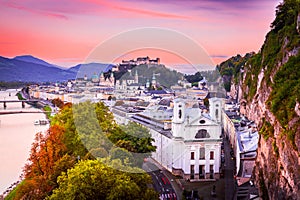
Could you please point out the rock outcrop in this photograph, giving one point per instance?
(269, 87)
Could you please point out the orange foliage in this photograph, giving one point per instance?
(40, 172)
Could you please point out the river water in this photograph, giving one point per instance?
(17, 132)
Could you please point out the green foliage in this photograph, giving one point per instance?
(286, 90)
(134, 138)
(285, 85)
(99, 152)
(93, 122)
(284, 95)
(194, 78)
(275, 148)
(253, 68)
(227, 86)
(20, 97)
(12, 194)
(93, 179)
(231, 68)
(164, 76)
(139, 137)
(87, 131)
(123, 155)
(211, 75)
(14, 84)
(286, 14)
(271, 53)
(267, 130)
(48, 111)
(71, 138)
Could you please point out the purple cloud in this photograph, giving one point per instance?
(34, 11)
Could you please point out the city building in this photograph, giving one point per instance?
(187, 138)
(243, 137)
(129, 86)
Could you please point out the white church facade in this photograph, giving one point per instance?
(192, 147)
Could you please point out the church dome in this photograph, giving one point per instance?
(95, 76)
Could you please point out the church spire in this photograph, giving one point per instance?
(136, 77)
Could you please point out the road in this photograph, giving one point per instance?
(161, 183)
(229, 171)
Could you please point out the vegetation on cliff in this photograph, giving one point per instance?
(210, 76)
(281, 64)
(279, 61)
(230, 69)
(270, 83)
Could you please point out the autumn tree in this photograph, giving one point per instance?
(81, 132)
(46, 162)
(58, 102)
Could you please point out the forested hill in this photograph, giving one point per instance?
(270, 83)
(231, 68)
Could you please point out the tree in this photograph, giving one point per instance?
(286, 14)
(139, 137)
(92, 179)
(194, 77)
(44, 163)
(87, 131)
(71, 138)
(58, 102)
(122, 154)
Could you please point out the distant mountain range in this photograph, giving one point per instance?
(31, 69)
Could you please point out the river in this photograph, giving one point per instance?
(17, 132)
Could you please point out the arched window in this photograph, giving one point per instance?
(217, 113)
(202, 133)
(180, 114)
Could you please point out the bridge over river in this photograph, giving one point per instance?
(22, 112)
(34, 101)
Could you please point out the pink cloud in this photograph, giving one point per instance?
(53, 8)
(150, 13)
(133, 8)
(35, 11)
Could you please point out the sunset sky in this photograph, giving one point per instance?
(65, 32)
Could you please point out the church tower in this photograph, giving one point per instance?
(136, 77)
(112, 79)
(147, 84)
(102, 79)
(215, 109)
(178, 117)
(153, 82)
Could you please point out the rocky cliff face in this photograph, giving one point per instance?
(269, 92)
(277, 172)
